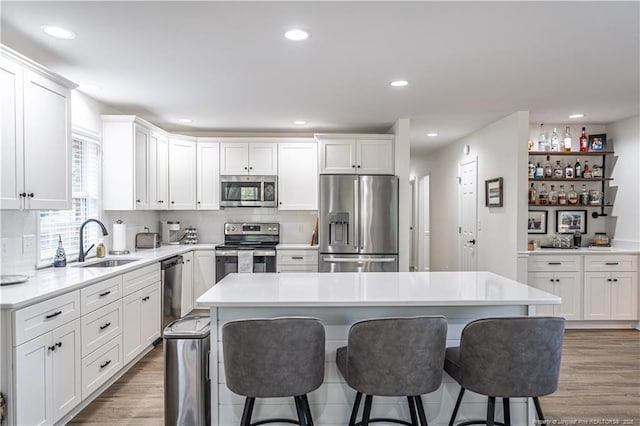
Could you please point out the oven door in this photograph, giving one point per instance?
(264, 260)
(248, 191)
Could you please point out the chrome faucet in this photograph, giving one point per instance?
(82, 254)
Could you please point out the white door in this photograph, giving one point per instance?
(33, 382)
(337, 156)
(11, 161)
(208, 179)
(468, 215)
(597, 295)
(624, 296)
(297, 176)
(141, 144)
(234, 158)
(569, 288)
(375, 157)
(263, 159)
(151, 321)
(204, 273)
(544, 281)
(66, 367)
(159, 171)
(132, 322)
(424, 219)
(187, 284)
(182, 174)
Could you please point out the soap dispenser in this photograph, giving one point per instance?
(101, 250)
(60, 258)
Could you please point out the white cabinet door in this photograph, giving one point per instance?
(544, 281)
(132, 323)
(263, 158)
(337, 156)
(234, 157)
(66, 367)
(208, 179)
(569, 288)
(151, 321)
(375, 157)
(204, 273)
(597, 296)
(158, 171)
(182, 174)
(33, 382)
(297, 176)
(11, 160)
(141, 141)
(47, 143)
(624, 296)
(187, 284)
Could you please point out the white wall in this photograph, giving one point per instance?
(625, 135)
(500, 149)
(402, 162)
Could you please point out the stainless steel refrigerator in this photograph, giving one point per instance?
(358, 223)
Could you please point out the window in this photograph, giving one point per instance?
(85, 192)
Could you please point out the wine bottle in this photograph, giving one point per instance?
(584, 142)
(577, 169)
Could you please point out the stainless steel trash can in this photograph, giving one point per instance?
(186, 372)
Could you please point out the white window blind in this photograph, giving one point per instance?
(85, 192)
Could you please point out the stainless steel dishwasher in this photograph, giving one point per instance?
(171, 289)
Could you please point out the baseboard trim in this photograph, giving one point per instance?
(602, 325)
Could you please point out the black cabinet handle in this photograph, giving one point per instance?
(615, 280)
(102, 327)
(23, 195)
(105, 364)
(250, 168)
(55, 314)
(609, 279)
(297, 257)
(199, 202)
(105, 293)
(245, 168)
(612, 263)
(554, 263)
(557, 280)
(353, 166)
(59, 344)
(358, 165)
(52, 348)
(173, 202)
(144, 299)
(31, 195)
(551, 280)
(137, 201)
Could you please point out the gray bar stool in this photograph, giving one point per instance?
(272, 358)
(394, 357)
(510, 357)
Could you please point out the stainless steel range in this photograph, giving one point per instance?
(248, 247)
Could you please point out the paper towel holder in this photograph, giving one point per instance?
(119, 252)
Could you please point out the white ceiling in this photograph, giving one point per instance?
(227, 66)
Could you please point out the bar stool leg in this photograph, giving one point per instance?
(506, 409)
(421, 414)
(412, 411)
(366, 415)
(307, 410)
(491, 411)
(247, 412)
(354, 411)
(300, 410)
(457, 407)
(539, 410)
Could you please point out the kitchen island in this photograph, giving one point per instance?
(339, 300)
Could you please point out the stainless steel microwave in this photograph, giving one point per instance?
(248, 191)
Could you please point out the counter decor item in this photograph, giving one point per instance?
(537, 222)
(119, 243)
(570, 221)
(101, 250)
(190, 235)
(597, 143)
(493, 192)
(60, 258)
(600, 239)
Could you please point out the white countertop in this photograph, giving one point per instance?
(581, 251)
(372, 289)
(50, 282)
(296, 247)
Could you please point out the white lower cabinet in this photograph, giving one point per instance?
(297, 260)
(47, 371)
(187, 284)
(141, 320)
(204, 273)
(567, 285)
(610, 296)
(101, 365)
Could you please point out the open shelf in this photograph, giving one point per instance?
(569, 154)
(572, 206)
(569, 179)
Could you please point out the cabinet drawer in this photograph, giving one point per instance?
(554, 263)
(611, 263)
(101, 365)
(100, 294)
(297, 268)
(140, 278)
(100, 326)
(43, 317)
(297, 257)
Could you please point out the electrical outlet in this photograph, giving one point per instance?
(28, 244)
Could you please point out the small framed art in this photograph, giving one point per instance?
(570, 221)
(597, 143)
(493, 192)
(537, 222)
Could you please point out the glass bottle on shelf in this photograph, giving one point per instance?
(533, 194)
(597, 171)
(553, 196)
(539, 171)
(558, 172)
(568, 171)
(572, 196)
(532, 170)
(530, 145)
(555, 140)
(548, 171)
(586, 174)
(562, 196)
(567, 140)
(543, 195)
(584, 141)
(543, 143)
(577, 169)
(584, 195)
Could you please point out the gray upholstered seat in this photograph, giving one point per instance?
(394, 357)
(507, 358)
(269, 358)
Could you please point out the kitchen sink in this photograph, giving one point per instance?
(108, 263)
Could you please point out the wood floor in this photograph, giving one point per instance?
(599, 385)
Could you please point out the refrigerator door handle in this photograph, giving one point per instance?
(356, 201)
(352, 260)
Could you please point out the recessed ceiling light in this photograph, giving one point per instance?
(299, 122)
(89, 88)
(185, 120)
(58, 32)
(576, 115)
(297, 34)
(399, 83)
(432, 134)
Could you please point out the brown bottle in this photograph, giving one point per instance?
(584, 142)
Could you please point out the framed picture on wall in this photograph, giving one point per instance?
(570, 221)
(537, 222)
(493, 192)
(597, 142)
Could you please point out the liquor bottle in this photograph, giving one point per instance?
(60, 258)
(553, 196)
(562, 196)
(584, 195)
(543, 195)
(573, 196)
(543, 143)
(584, 142)
(530, 145)
(533, 194)
(568, 171)
(539, 171)
(532, 169)
(548, 171)
(586, 173)
(558, 172)
(555, 141)
(567, 140)
(577, 169)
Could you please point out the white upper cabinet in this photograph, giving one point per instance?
(356, 154)
(36, 136)
(142, 145)
(182, 174)
(208, 174)
(252, 158)
(158, 171)
(298, 176)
